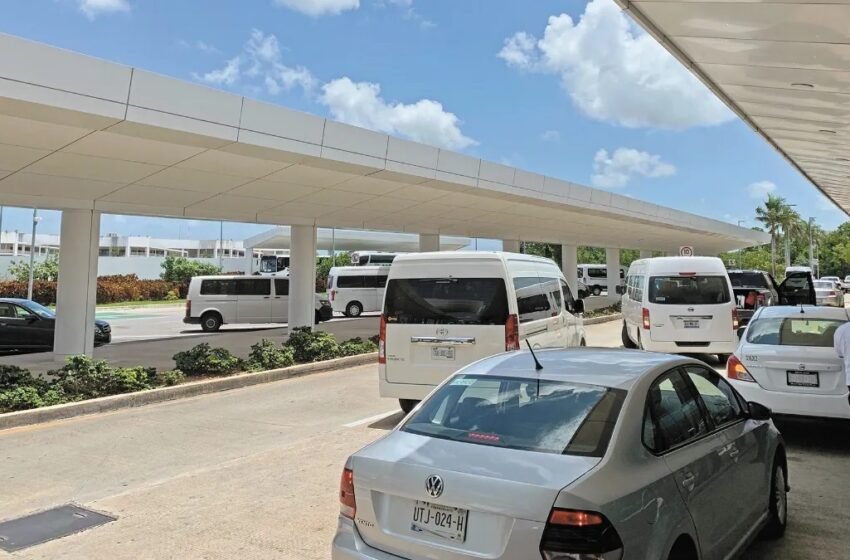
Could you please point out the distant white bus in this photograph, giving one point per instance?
(366, 258)
(354, 290)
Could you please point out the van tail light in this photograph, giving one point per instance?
(736, 322)
(382, 340)
(646, 323)
(333, 295)
(512, 333)
(347, 502)
(736, 370)
(571, 534)
(188, 308)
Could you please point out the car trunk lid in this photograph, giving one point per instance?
(809, 370)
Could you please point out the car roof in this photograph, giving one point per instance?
(13, 300)
(811, 311)
(607, 367)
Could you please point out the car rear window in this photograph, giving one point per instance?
(824, 285)
(779, 331)
(747, 280)
(447, 301)
(688, 290)
(518, 413)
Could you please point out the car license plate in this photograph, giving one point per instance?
(442, 521)
(446, 353)
(803, 378)
(691, 323)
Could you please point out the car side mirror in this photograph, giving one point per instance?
(759, 411)
(741, 331)
(578, 307)
(620, 290)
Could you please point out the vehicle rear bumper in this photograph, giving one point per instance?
(401, 390)
(795, 404)
(192, 320)
(347, 545)
(723, 347)
(829, 302)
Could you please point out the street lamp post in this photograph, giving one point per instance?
(35, 219)
(812, 244)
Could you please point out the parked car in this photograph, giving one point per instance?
(595, 277)
(445, 310)
(786, 361)
(354, 290)
(829, 293)
(643, 456)
(847, 283)
(29, 326)
(213, 301)
(757, 288)
(841, 285)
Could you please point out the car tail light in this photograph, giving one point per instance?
(188, 308)
(735, 321)
(382, 341)
(512, 333)
(580, 535)
(646, 322)
(347, 502)
(735, 369)
(833, 293)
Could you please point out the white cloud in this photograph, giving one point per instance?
(615, 72)
(361, 104)
(227, 75)
(199, 45)
(550, 136)
(761, 189)
(319, 7)
(93, 8)
(615, 171)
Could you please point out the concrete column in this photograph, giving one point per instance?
(302, 277)
(569, 264)
(429, 242)
(148, 249)
(249, 260)
(77, 289)
(612, 258)
(510, 245)
(128, 250)
(15, 246)
(645, 254)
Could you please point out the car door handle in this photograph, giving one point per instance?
(267, 297)
(733, 452)
(689, 481)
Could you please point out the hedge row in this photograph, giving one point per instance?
(110, 289)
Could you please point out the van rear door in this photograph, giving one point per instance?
(435, 326)
(690, 308)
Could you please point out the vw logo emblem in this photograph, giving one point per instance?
(434, 486)
(442, 332)
(802, 366)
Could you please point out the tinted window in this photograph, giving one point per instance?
(778, 331)
(688, 290)
(7, 310)
(351, 282)
(381, 281)
(382, 259)
(545, 416)
(218, 287)
(719, 398)
(673, 412)
(569, 300)
(748, 280)
(597, 272)
(254, 287)
(446, 301)
(533, 300)
(281, 286)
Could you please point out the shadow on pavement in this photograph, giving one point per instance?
(831, 437)
(389, 422)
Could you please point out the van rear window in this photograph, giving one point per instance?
(446, 301)
(688, 290)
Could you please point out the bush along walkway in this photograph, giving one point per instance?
(83, 379)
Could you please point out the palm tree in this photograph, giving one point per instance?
(771, 215)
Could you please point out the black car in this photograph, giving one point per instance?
(28, 326)
(757, 288)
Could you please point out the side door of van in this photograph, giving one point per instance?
(254, 300)
(280, 301)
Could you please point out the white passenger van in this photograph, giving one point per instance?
(354, 290)
(679, 304)
(445, 310)
(213, 301)
(595, 277)
(367, 258)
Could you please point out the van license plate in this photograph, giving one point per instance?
(803, 378)
(442, 521)
(691, 323)
(446, 353)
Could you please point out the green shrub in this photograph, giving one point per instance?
(12, 377)
(266, 355)
(310, 346)
(20, 398)
(357, 346)
(181, 270)
(204, 360)
(169, 378)
(375, 340)
(171, 296)
(85, 378)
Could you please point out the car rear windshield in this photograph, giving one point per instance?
(519, 413)
(748, 280)
(779, 331)
(447, 301)
(824, 285)
(688, 290)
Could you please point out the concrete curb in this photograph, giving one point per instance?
(186, 390)
(604, 319)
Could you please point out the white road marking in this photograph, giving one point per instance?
(371, 419)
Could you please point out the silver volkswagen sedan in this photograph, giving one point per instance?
(601, 454)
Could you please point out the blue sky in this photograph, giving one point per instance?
(565, 88)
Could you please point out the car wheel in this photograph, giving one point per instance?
(597, 291)
(354, 309)
(318, 317)
(407, 405)
(583, 343)
(211, 322)
(777, 517)
(627, 341)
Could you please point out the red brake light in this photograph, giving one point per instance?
(646, 322)
(333, 295)
(382, 341)
(188, 308)
(735, 321)
(347, 502)
(736, 370)
(512, 333)
(687, 274)
(574, 518)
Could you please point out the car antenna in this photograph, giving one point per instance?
(537, 365)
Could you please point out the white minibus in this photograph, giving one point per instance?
(445, 310)
(366, 258)
(213, 301)
(679, 305)
(595, 277)
(354, 290)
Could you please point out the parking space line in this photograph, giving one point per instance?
(369, 420)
